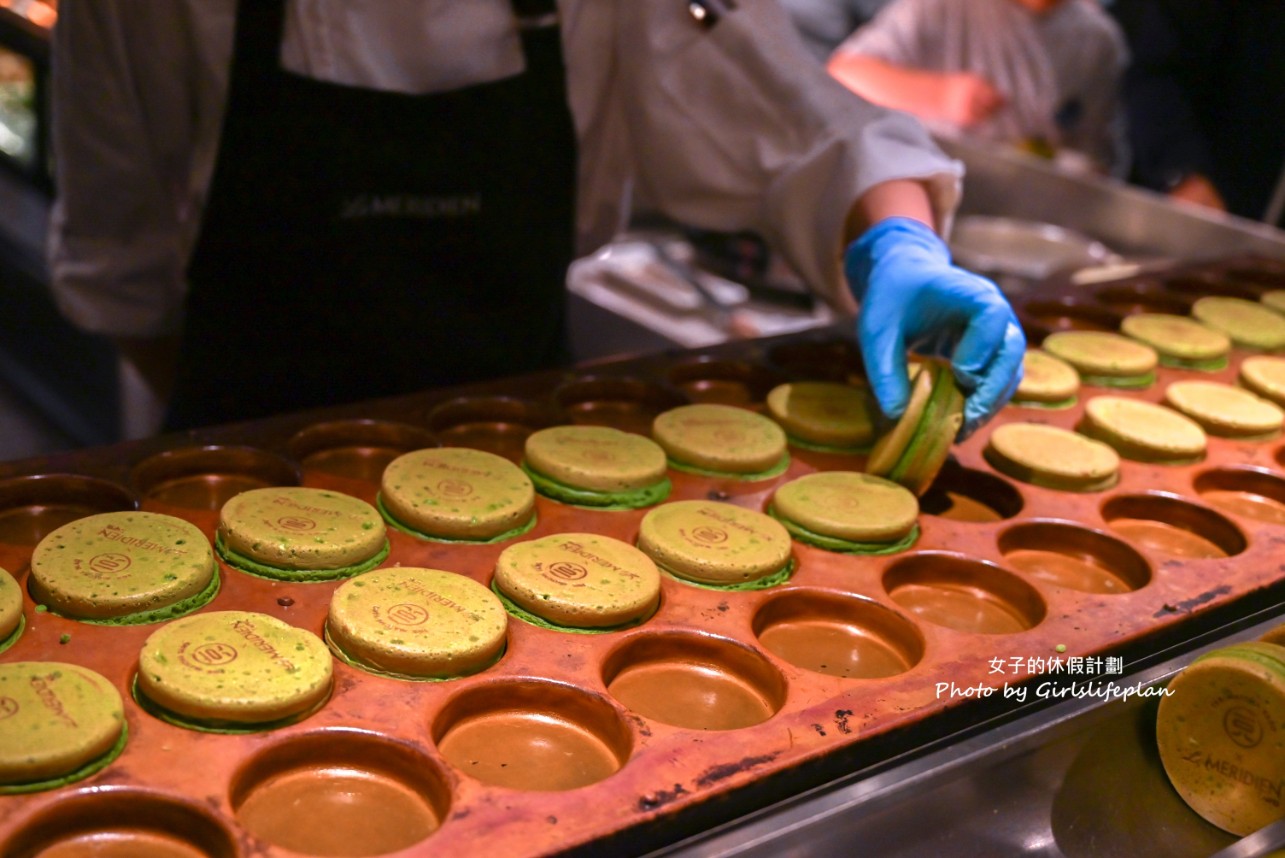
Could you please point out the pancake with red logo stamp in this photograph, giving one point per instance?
(722, 441)
(457, 494)
(848, 512)
(596, 466)
(717, 544)
(124, 568)
(300, 534)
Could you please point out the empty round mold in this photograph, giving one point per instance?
(33, 506)
(823, 359)
(1075, 557)
(204, 478)
(964, 494)
(724, 382)
(1128, 299)
(630, 404)
(963, 593)
(694, 681)
(1268, 273)
(1248, 492)
(357, 449)
(493, 424)
(122, 822)
(1170, 525)
(1070, 314)
(838, 634)
(1200, 285)
(340, 793)
(532, 734)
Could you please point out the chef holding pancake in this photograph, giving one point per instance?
(280, 204)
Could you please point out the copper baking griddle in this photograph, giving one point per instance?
(737, 698)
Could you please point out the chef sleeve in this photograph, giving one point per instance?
(736, 127)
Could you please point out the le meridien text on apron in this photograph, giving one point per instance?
(427, 206)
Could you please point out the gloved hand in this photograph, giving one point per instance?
(912, 297)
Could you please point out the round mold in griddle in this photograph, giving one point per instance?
(823, 359)
(1169, 525)
(968, 495)
(493, 424)
(340, 792)
(838, 634)
(205, 478)
(1070, 314)
(32, 507)
(621, 402)
(723, 381)
(113, 821)
(1253, 493)
(695, 681)
(532, 734)
(1074, 557)
(1143, 297)
(1201, 285)
(963, 593)
(355, 449)
(1263, 272)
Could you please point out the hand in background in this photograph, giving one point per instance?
(967, 99)
(912, 297)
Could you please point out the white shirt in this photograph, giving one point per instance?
(733, 127)
(1072, 55)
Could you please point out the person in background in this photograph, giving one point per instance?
(1040, 74)
(824, 24)
(274, 205)
(1205, 92)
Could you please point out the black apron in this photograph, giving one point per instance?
(359, 243)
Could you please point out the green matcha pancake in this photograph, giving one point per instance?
(300, 534)
(416, 623)
(716, 544)
(917, 446)
(1105, 359)
(1179, 341)
(1275, 299)
(11, 621)
(722, 440)
(1221, 735)
(1222, 409)
(1052, 457)
(232, 671)
(1249, 324)
(848, 512)
(579, 582)
(124, 568)
(457, 494)
(823, 414)
(60, 723)
(596, 466)
(1265, 376)
(1144, 431)
(1047, 381)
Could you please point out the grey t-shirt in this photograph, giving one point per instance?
(825, 23)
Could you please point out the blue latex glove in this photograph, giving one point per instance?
(912, 297)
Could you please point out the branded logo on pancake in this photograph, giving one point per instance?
(453, 488)
(42, 686)
(8, 707)
(709, 535)
(296, 523)
(109, 563)
(567, 571)
(214, 654)
(1242, 726)
(407, 614)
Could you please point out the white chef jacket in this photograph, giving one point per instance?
(733, 127)
(1073, 54)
